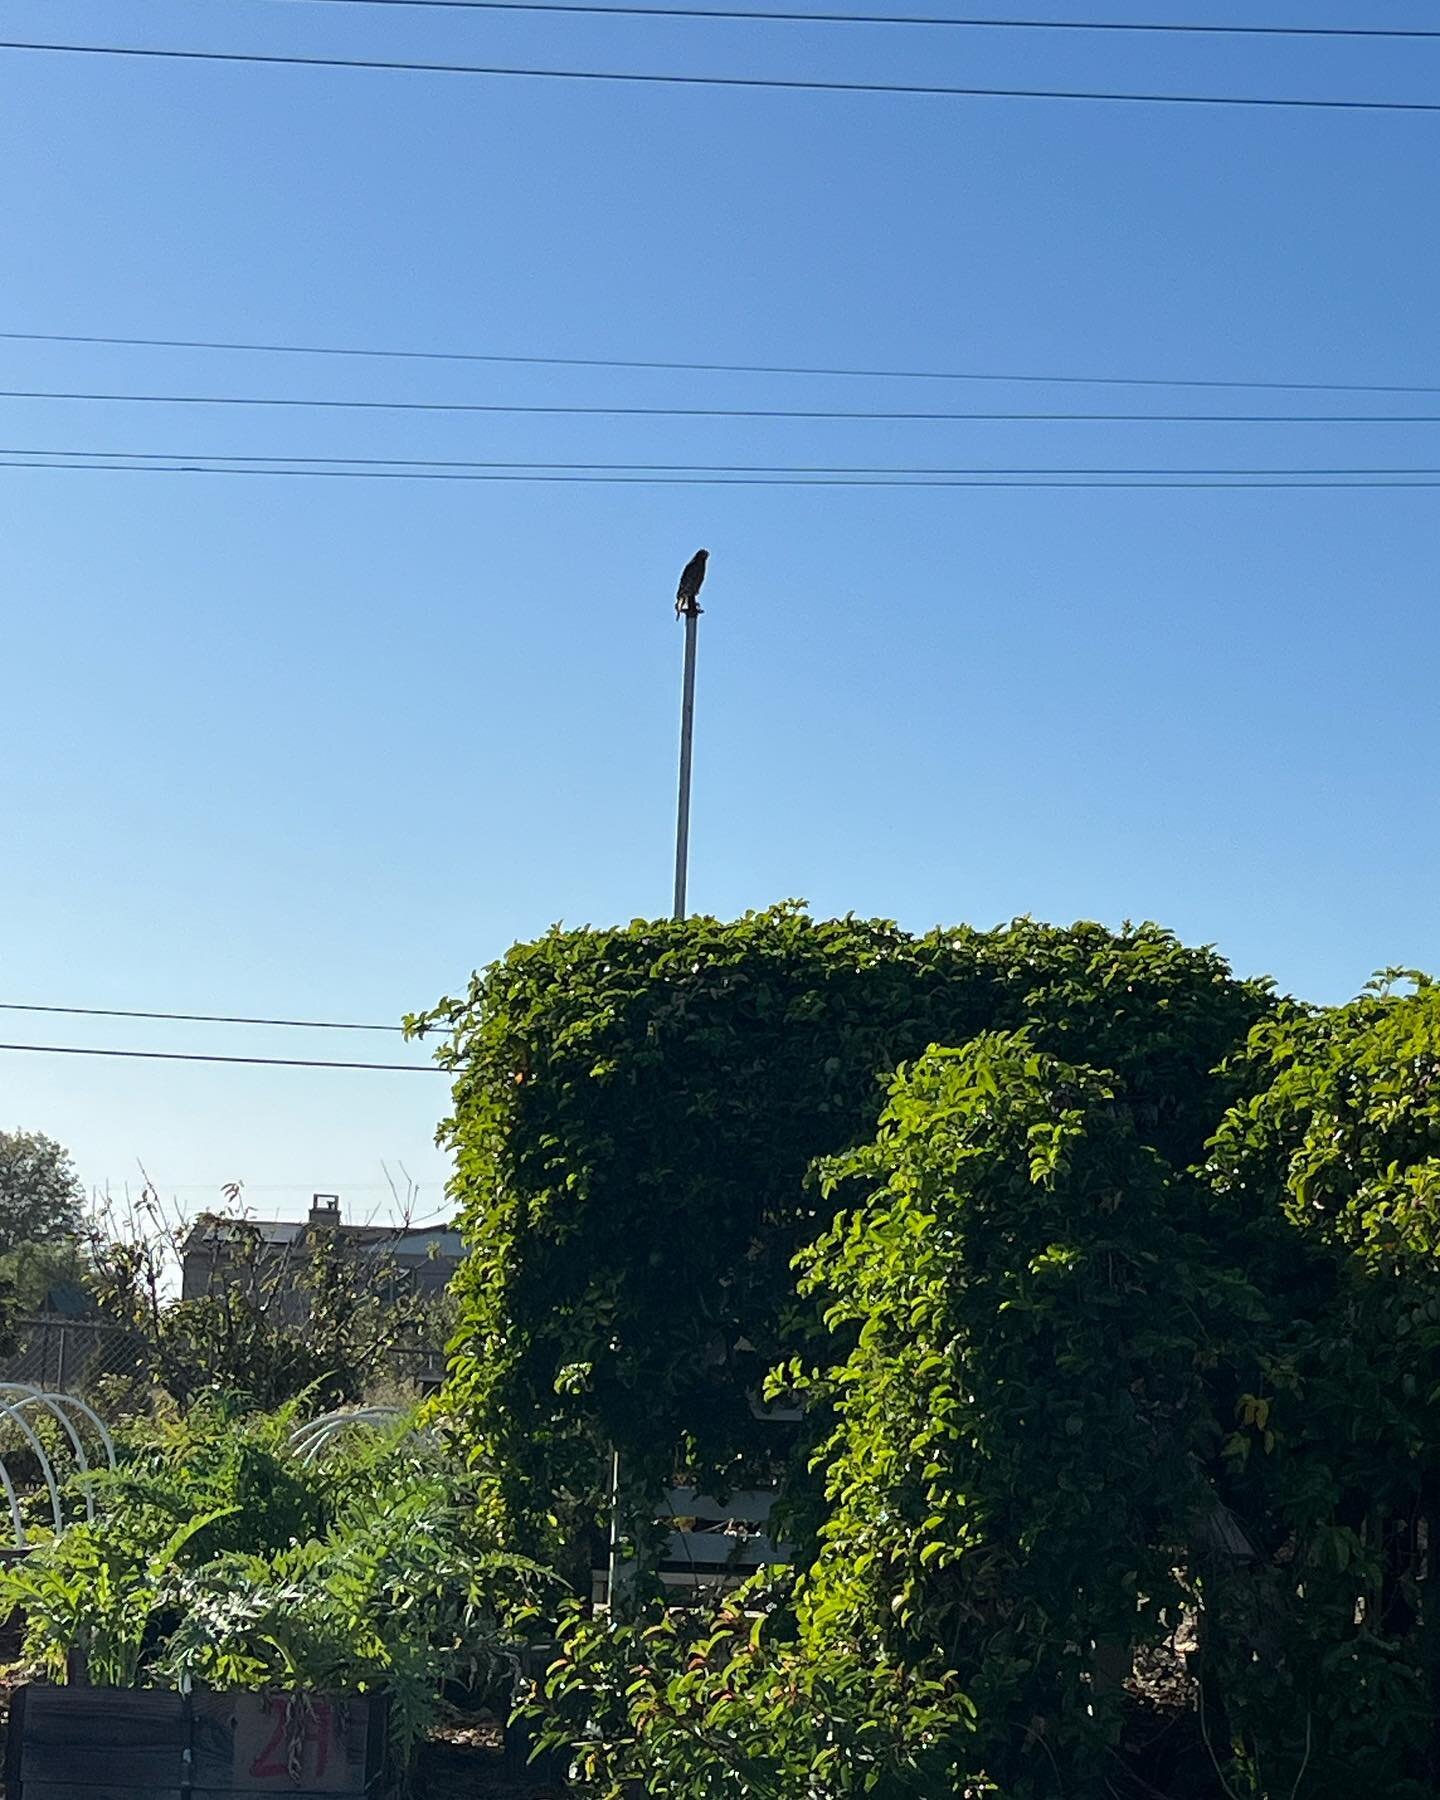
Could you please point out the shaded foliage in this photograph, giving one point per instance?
(1334, 1461)
(1027, 1418)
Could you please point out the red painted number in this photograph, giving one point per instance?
(274, 1762)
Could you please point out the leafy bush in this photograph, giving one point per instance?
(217, 1460)
(697, 1708)
(386, 1602)
(90, 1600)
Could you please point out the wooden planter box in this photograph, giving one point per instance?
(80, 1743)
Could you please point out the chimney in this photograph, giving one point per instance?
(325, 1211)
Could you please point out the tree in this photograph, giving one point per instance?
(40, 1193)
(326, 1312)
(44, 1276)
(1132, 1442)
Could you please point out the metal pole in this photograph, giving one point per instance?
(612, 1562)
(691, 614)
(687, 745)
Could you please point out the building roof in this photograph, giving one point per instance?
(417, 1242)
(210, 1229)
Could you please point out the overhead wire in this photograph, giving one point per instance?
(1149, 26)
(709, 368)
(346, 1188)
(120, 1012)
(714, 481)
(278, 1062)
(756, 82)
(527, 409)
(436, 469)
(512, 464)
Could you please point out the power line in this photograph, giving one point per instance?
(851, 18)
(397, 464)
(716, 412)
(640, 480)
(277, 1062)
(776, 83)
(707, 368)
(304, 1187)
(117, 1012)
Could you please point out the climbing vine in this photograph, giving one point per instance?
(636, 1114)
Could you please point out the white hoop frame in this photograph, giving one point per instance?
(309, 1439)
(59, 1407)
(10, 1409)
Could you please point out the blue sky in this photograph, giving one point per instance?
(321, 747)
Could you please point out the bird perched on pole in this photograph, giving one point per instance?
(692, 578)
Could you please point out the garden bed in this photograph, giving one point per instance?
(462, 1760)
(79, 1743)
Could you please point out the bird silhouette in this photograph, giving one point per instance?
(692, 579)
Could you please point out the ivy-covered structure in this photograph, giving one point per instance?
(637, 1114)
(1111, 1288)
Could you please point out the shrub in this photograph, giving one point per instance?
(697, 1708)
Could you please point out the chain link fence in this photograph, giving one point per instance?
(74, 1356)
(101, 1360)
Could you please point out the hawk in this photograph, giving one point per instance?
(692, 577)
